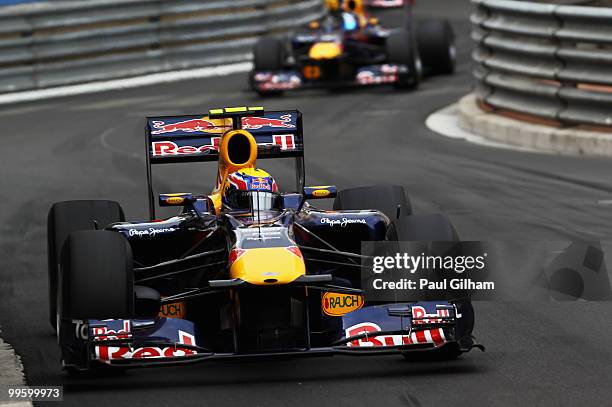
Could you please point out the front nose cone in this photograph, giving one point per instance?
(268, 266)
(325, 50)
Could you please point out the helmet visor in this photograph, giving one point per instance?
(253, 201)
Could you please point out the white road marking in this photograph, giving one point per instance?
(445, 123)
(146, 80)
(115, 103)
(106, 145)
(11, 372)
(605, 202)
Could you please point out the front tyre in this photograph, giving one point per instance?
(436, 44)
(67, 217)
(402, 50)
(269, 55)
(96, 281)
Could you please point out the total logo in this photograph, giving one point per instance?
(108, 353)
(336, 305)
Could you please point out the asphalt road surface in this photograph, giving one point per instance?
(91, 146)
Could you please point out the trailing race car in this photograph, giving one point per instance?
(347, 48)
(243, 271)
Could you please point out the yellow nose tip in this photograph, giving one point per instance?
(325, 50)
(267, 266)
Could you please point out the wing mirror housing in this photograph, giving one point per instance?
(180, 199)
(320, 192)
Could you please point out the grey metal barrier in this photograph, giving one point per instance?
(67, 42)
(546, 60)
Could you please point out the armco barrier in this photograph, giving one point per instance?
(546, 60)
(66, 42)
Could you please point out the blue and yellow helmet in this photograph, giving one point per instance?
(250, 189)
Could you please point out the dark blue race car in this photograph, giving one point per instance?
(348, 48)
(253, 273)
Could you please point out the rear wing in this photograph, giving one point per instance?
(196, 138)
(178, 139)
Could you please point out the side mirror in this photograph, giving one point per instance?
(181, 199)
(320, 192)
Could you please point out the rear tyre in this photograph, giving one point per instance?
(436, 44)
(402, 50)
(65, 218)
(386, 199)
(95, 282)
(269, 55)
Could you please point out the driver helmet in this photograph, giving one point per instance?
(250, 190)
(332, 5)
(354, 6)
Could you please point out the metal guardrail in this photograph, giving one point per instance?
(546, 60)
(66, 42)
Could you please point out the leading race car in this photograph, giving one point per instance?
(347, 48)
(243, 271)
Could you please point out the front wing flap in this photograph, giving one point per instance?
(277, 81)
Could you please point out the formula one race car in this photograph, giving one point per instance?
(347, 48)
(244, 271)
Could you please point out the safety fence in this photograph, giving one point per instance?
(550, 61)
(67, 42)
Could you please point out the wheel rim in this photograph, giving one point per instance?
(452, 53)
(418, 67)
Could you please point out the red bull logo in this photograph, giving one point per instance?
(420, 315)
(261, 184)
(108, 353)
(369, 334)
(105, 334)
(189, 126)
(170, 148)
(255, 123)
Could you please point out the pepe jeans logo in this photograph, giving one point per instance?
(342, 222)
(150, 232)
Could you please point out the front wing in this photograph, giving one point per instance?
(278, 81)
(372, 330)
